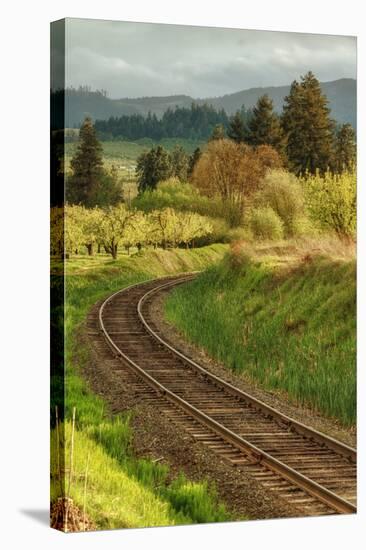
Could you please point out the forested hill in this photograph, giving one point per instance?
(340, 93)
(82, 102)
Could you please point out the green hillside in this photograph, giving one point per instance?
(287, 323)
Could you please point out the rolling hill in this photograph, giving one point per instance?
(341, 94)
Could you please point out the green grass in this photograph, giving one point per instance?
(123, 154)
(289, 328)
(122, 491)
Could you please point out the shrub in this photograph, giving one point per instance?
(283, 193)
(234, 172)
(183, 196)
(303, 226)
(331, 200)
(238, 234)
(265, 223)
(219, 234)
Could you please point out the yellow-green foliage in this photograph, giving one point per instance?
(171, 193)
(182, 196)
(331, 201)
(73, 227)
(118, 226)
(265, 223)
(282, 191)
(169, 226)
(57, 230)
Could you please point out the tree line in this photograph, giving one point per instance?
(117, 227)
(230, 170)
(304, 134)
(196, 122)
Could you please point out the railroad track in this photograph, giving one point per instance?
(313, 472)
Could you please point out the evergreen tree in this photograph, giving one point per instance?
(87, 167)
(180, 163)
(193, 159)
(308, 127)
(109, 190)
(345, 148)
(236, 130)
(264, 126)
(218, 132)
(152, 167)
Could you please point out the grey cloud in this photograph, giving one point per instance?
(140, 59)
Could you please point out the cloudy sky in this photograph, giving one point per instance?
(141, 59)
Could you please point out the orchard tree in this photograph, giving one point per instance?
(163, 222)
(264, 126)
(81, 227)
(90, 219)
(114, 227)
(172, 228)
(308, 127)
(193, 226)
(57, 230)
(87, 167)
(345, 152)
(138, 231)
(73, 229)
(152, 167)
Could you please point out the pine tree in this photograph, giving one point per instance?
(180, 163)
(193, 159)
(152, 167)
(236, 130)
(345, 148)
(308, 128)
(264, 126)
(87, 167)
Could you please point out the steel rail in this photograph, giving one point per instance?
(270, 412)
(254, 453)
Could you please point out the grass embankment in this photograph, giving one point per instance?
(121, 490)
(283, 318)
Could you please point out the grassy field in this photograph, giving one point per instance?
(122, 491)
(282, 316)
(123, 154)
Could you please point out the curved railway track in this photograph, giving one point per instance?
(313, 472)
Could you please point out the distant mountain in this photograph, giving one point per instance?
(341, 95)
